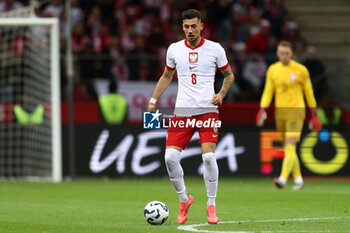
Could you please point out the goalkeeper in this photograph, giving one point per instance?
(288, 81)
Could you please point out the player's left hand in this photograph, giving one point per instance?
(217, 99)
(315, 124)
(261, 117)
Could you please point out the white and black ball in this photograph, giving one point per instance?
(156, 212)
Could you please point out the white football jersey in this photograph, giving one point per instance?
(196, 69)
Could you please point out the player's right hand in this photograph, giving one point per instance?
(261, 117)
(151, 107)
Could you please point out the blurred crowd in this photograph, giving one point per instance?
(121, 40)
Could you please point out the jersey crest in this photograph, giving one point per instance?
(193, 57)
(293, 77)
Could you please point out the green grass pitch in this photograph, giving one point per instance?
(116, 205)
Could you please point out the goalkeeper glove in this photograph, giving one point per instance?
(314, 123)
(261, 117)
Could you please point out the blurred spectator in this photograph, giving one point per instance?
(144, 71)
(219, 12)
(193, 4)
(79, 38)
(113, 106)
(239, 53)
(92, 69)
(243, 8)
(258, 41)
(275, 12)
(143, 26)
(9, 5)
(120, 70)
(118, 21)
(76, 12)
(114, 47)
(94, 20)
(139, 59)
(299, 53)
(313, 64)
(156, 38)
(270, 52)
(166, 8)
(292, 34)
(209, 30)
(317, 72)
(254, 72)
(86, 69)
(239, 59)
(255, 21)
(175, 27)
(239, 21)
(127, 39)
(54, 9)
(102, 39)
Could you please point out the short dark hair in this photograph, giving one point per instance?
(285, 43)
(191, 14)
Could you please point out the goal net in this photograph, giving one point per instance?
(30, 128)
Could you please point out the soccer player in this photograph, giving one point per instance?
(288, 81)
(196, 60)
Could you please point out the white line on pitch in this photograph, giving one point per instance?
(193, 227)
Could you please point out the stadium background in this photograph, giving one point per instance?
(121, 45)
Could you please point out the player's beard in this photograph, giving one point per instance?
(193, 39)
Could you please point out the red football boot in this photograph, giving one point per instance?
(212, 217)
(183, 214)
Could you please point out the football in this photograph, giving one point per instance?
(156, 212)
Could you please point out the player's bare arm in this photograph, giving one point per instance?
(226, 85)
(163, 83)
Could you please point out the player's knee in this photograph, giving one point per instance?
(172, 157)
(208, 158)
(290, 140)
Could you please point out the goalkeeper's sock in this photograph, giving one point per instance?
(211, 176)
(176, 173)
(290, 156)
(282, 181)
(299, 180)
(296, 172)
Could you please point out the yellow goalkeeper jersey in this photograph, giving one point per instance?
(288, 83)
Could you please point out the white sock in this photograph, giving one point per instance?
(282, 180)
(211, 176)
(299, 180)
(176, 174)
(211, 201)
